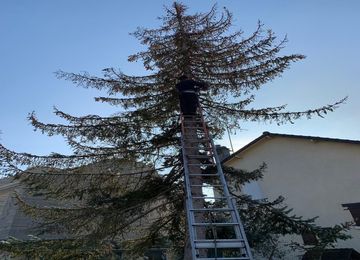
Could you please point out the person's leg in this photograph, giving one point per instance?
(184, 103)
(193, 104)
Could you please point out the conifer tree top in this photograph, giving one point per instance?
(146, 130)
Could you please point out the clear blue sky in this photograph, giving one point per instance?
(40, 37)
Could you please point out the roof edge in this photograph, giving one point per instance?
(268, 134)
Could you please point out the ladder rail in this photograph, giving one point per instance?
(231, 202)
(188, 201)
(206, 131)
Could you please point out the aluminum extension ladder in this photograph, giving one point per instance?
(214, 225)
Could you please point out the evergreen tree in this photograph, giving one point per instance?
(126, 169)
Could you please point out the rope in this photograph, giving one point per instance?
(231, 144)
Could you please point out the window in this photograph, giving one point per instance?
(354, 209)
(309, 238)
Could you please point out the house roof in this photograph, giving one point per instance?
(268, 134)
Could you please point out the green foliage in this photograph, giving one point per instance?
(54, 249)
(123, 183)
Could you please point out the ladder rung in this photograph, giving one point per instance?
(203, 155)
(193, 121)
(201, 164)
(193, 124)
(220, 243)
(194, 127)
(199, 135)
(213, 209)
(206, 197)
(204, 175)
(216, 224)
(191, 116)
(201, 148)
(206, 185)
(204, 148)
(199, 156)
(225, 258)
(198, 140)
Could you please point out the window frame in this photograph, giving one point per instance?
(309, 239)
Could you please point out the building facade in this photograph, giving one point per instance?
(317, 176)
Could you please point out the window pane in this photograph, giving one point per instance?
(309, 239)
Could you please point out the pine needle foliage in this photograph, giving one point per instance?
(124, 181)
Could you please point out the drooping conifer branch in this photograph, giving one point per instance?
(126, 168)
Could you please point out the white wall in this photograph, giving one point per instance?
(315, 177)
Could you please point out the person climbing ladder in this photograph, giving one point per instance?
(188, 93)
